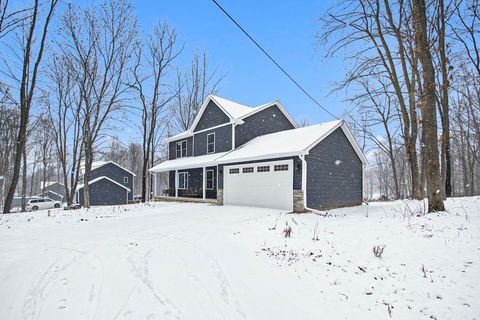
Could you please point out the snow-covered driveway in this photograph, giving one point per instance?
(195, 261)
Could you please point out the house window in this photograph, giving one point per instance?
(125, 179)
(263, 168)
(209, 179)
(183, 180)
(234, 171)
(247, 170)
(280, 167)
(211, 142)
(182, 149)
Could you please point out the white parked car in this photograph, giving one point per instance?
(42, 203)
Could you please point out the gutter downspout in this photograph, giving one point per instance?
(304, 184)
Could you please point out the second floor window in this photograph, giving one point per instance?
(211, 143)
(182, 149)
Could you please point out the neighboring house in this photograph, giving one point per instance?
(109, 184)
(237, 155)
(53, 190)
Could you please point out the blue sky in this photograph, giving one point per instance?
(286, 29)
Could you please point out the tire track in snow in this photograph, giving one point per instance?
(170, 310)
(37, 294)
(226, 290)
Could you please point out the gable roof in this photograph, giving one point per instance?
(234, 110)
(293, 142)
(289, 143)
(101, 178)
(99, 164)
(49, 183)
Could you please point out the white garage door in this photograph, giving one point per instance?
(265, 184)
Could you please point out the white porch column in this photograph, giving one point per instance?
(204, 183)
(176, 183)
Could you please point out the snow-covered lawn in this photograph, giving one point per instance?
(195, 261)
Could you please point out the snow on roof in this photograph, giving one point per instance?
(235, 109)
(282, 143)
(188, 162)
(101, 178)
(48, 184)
(98, 164)
(274, 145)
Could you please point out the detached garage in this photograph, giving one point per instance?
(104, 191)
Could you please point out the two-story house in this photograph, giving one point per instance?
(110, 184)
(238, 155)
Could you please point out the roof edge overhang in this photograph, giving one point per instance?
(261, 157)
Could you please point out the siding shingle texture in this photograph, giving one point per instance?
(334, 173)
(223, 140)
(115, 173)
(266, 121)
(211, 117)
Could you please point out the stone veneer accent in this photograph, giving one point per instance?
(220, 197)
(298, 204)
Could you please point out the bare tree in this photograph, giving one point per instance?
(192, 89)
(381, 39)
(428, 107)
(30, 62)
(64, 105)
(11, 19)
(154, 94)
(98, 44)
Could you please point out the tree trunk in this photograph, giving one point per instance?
(86, 175)
(24, 180)
(429, 110)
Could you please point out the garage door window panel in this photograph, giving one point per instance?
(263, 169)
(280, 167)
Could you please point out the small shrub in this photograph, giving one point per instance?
(287, 232)
(378, 250)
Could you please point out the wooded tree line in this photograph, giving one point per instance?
(73, 77)
(413, 80)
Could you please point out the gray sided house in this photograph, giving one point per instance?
(238, 155)
(54, 191)
(110, 184)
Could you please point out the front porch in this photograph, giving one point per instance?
(184, 199)
(193, 185)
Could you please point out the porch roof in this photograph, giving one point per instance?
(188, 162)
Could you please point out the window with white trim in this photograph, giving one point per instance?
(125, 179)
(247, 170)
(234, 171)
(183, 180)
(211, 142)
(263, 168)
(280, 167)
(181, 149)
(210, 179)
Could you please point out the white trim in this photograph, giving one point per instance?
(185, 174)
(176, 183)
(204, 183)
(262, 157)
(214, 138)
(186, 149)
(199, 115)
(112, 162)
(268, 105)
(304, 180)
(213, 179)
(101, 178)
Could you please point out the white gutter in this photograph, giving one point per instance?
(304, 184)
